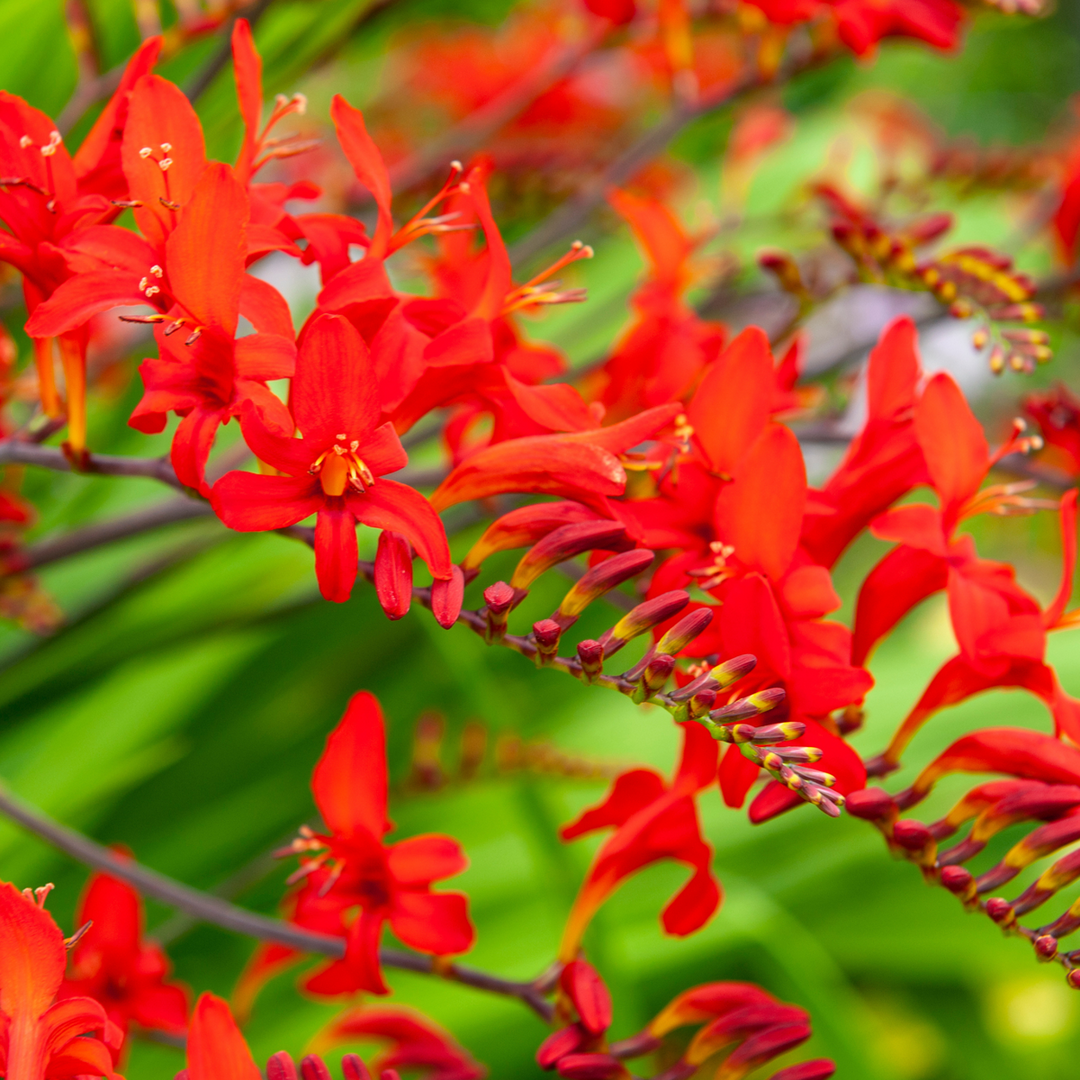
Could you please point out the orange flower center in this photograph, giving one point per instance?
(340, 468)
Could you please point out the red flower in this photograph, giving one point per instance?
(40, 1040)
(662, 354)
(414, 1043)
(333, 470)
(1057, 412)
(215, 1048)
(113, 964)
(356, 872)
(653, 820)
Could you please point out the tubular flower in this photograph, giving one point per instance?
(653, 820)
(48, 201)
(335, 468)
(354, 872)
(113, 964)
(40, 1040)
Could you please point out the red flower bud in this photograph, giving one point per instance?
(394, 574)
(559, 1044)
(1046, 946)
(818, 1069)
(281, 1067)
(583, 985)
(599, 580)
(1001, 911)
(684, 631)
(591, 1067)
(1073, 978)
(912, 835)
(870, 804)
(352, 1068)
(447, 597)
(643, 617)
(591, 657)
(564, 543)
(313, 1067)
(956, 879)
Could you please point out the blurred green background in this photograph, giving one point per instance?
(183, 703)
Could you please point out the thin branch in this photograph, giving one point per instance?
(105, 532)
(219, 912)
(202, 81)
(17, 452)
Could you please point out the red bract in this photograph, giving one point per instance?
(113, 964)
(40, 1040)
(653, 820)
(355, 872)
(335, 468)
(414, 1043)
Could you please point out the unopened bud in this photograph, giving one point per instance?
(447, 597)
(997, 360)
(958, 880)
(590, 1067)
(653, 678)
(1073, 978)
(784, 268)
(731, 671)
(773, 733)
(313, 1067)
(352, 1068)
(871, 804)
(564, 543)
(684, 631)
(751, 705)
(912, 835)
(568, 1040)
(1046, 947)
(643, 617)
(818, 1069)
(280, 1067)
(700, 704)
(394, 574)
(546, 633)
(815, 776)
(599, 580)
(591, 657)
(1001, 911)
(499, 598)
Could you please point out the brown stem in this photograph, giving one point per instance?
(17, 452)
(221, 913)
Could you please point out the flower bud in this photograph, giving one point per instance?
(643, 617)
(753, 705)
(393, 574)
(591, 657)
(772, 733)
(958, 880)
(281, 1067)
(912, 835)
(564, 543)
(352, 1068)
(684, 631)
(700, 704)
(583, 985)
(447, 597)
(591, 1067)
(1046, 947)
(557, 1045)
(818, 1069)
(500, 600)
(870, 804)
(656, 673)
(599, 580)
(313, 1067)
(1073, 978)
(546, 633)
(1001, 911)
(731, 671)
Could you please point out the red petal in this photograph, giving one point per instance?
(382, 451)
(731, 406)
(265, 308)
(249, 502)
(917, 525)
(360, 969)
(368, 165)
(247, 68)
(334, 390)
(394, 506)
(1054, 612)
(204, 255)
(953, 442)
(433, 922)
(336, 551)
(191, 446)
(699, 759)
(350, 780)
(79, 298)
(491, 301)
(737, 777)
(631, 792)
(761, 513)
(904, 578)
(32, 954)
(264, 357)
(215, 1048)
(658, 231)
(694, 904)
(421, 860)
(159, 113)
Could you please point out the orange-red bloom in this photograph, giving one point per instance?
(116, 966)
(40, 1040)
(336, 468)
